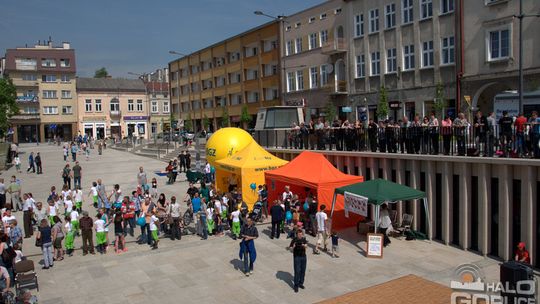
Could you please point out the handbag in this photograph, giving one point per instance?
(39, 243)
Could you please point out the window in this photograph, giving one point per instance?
(291, 82)
(313, 41)
(64, 78)
(311, 19)
(374, 20)
(375, 63)
(322, 16)
(66, 110)
(115, 105)
(391, 60)
(49, 94)
(337, 11)
(447, 6)
(300, 80)
(499, 44)
(252, 97)
(427, 54)
(313, 77)
(299, 45)
(359, 25)
(88, 105)
(426, 9)
(324, 75)
(360, 66)
(290, 48)
(29, 77)
(48, 78)
(48, 62)
(447, 50)
(408, 57)
(139, 105)
(154, 106)
(390, 15)
(324, 37)
(98, 105)
(166, 108)
(64, 63)
(407, 11)
(288, 28)
(297, 24)
(131, 105)
(66, 94)
(50, 110)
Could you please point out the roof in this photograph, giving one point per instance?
(39, 54)
(157, 86)
(110, 84)
(310, 169)
(251, 157)
(405, 290)
(379, 191)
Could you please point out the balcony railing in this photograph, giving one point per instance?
(337, 87)
(116, 113)
(334, 46)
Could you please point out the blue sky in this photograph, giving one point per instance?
(132, 35)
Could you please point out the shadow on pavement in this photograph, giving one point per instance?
(285, 277)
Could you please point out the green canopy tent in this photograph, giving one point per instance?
(379, 191)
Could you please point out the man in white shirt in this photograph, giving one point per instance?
(385, 224)
(287, 194)
(208, 172)
(6, 220)
(322, 233)
(28, 208)
(235, 229)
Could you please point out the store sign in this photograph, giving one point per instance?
(27, 98)
(394, 105)
(346, 109)
(135, 117)
(296, 102)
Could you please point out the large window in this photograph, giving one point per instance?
(313, 42)
(360, 66)
(391, 60)
(115, 105)
(408, 57)
(324, 75)
(499, 44)
(291, 82)
(390, 15)
(447, 6)
(88, 105)
(280, 118)
(313, 77)
(324, 36)
(298, 45)
(427, 54)
(66, 94)
(49, 63)
(447, 50)
(50, 110)
(98, 105)
(407, 15)
(139, 105)
(64, 78)
(166, 107)
(48, 78)
(66, 110)
(375, 63)
(374, 20)
(300, 80)
(359, 25)
(290, 48)
(131, 105)
(426, 9)
(154, 106)
(29, 77)
(49, 94)
(65, 63)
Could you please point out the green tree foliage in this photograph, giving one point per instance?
(8, 103)
(382, 107)
(188, 123)
(330, 111)
(245, 117)
(438, 104)
(101, 73)
(206, 122)
(225, 119)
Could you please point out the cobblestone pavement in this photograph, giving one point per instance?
(196, 271)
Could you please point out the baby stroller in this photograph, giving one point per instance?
(186, 221)
(256, 213)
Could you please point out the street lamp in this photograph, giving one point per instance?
(177, 53)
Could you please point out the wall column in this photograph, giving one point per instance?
(484, 196)
(360, 162)
(528, 197)
(431, 176)
(400, 179)
(464, 205)
(415, 184)
(42, 132)
(505, 212)
(446, 205)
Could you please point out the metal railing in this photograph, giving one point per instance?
(459, 141)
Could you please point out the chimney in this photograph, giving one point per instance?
(66, 45)
(49, 42)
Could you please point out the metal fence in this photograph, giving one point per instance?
(461, 141)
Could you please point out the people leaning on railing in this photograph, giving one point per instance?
(484, 136)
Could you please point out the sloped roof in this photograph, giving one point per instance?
(253, 157)
(110, 85)
(379, 191)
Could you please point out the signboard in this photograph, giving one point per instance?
(394, 105)
(135, 117)
(346, 109)
(28, 98)
(374, 245)
(467, 99)
(296, 102)
(356, 204)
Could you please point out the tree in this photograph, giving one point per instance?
(101, 73)
(173, 120)
(382, 107)
(330, 112)
(188, 124)
(245, 118)
(438, 103)
(225, 119)
(8, 103)
(206, 122)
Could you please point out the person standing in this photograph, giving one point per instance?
(86, 232)
(298, 246)
(103, 202)
(385, 223)
(490, 131)
(188, 161)
(235, 226)
(505, 125)
(247, 247)
(182, 158)
(45, 236)
(14, 189)
(520, 123)
(174, 214)
(2, 194)
(459, 124)
(128, 214)
(28, 208)
(37, 160)
(522, 255)
(480, 126)
(77, 175)
(535, 133)
(277, 217)
(322, 234)
(31, 164)
(74, 150)
(142, 180)
(66, 176)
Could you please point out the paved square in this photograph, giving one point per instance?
(195, 271)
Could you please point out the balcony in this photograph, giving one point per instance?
(334, 46)
(115, 113)
(338, 87)
(25, 99)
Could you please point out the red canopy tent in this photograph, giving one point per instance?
(311, 171)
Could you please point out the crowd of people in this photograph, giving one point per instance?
(483, 136)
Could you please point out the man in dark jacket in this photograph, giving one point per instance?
(86, 224)
(38, 164)
(277, 216)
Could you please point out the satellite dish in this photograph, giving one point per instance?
(329, 68)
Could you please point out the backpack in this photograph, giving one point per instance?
(8, 254)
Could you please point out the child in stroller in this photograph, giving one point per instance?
(256, 213)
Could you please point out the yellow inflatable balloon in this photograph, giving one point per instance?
(226, 142)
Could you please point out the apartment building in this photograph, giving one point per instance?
(490, 37)
(44, 75)
(314, 57)
(241, 71)
(157, 88)
(112, 107)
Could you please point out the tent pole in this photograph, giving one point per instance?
(333, 204)
(428, 222)
(377, 212)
